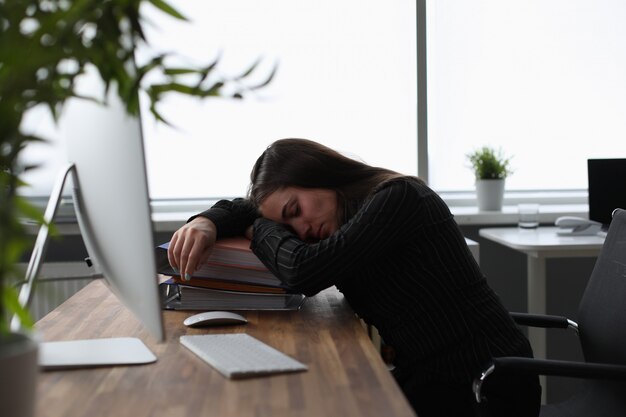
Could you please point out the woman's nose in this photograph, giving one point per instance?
(303, 229)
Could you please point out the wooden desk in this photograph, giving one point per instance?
(346, 375)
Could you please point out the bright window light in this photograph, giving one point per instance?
(545, 81)
(346, 78)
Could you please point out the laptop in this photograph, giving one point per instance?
(607, 188)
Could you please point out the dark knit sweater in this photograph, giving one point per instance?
(404, 267)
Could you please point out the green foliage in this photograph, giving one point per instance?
(489, 164)
(45, 45)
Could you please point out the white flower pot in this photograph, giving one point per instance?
(490, 194)
(18, 375)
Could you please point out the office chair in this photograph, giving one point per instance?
(602, 332)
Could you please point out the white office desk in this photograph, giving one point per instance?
(474, 247)
(538, 245)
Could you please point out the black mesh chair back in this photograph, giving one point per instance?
(602, 310)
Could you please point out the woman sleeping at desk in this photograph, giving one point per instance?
(390, 244)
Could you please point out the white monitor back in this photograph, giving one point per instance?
(111, 198)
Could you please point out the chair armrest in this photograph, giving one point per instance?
(543, 320)
(530, 366)
(587, 370)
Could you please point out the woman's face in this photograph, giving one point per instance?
(310, 212)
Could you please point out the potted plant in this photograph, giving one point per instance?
(44, 47)
(491, 168)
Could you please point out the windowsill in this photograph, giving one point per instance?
(161, 222)
(548, 213)
(169, 216)
(552, 205)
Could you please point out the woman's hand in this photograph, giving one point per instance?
(191, 246)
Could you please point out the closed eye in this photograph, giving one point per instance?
(292, 209)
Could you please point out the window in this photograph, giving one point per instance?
(346, 77)
(542, 80)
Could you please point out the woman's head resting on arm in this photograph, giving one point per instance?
(311, 188)
(310, 212)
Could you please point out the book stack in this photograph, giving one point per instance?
(233, 278)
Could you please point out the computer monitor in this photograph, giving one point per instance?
(111, 199)
(607, 187)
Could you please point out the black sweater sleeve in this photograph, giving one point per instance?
(231, 218)
(383, 221)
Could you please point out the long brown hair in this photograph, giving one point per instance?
(308, 164)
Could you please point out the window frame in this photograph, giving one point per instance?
(570, 200)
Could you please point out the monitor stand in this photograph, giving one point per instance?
(74, 353)
(94, 352)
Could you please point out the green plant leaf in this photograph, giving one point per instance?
(165, 7)
(488, 163)
(249, 70)
(267, 80)
(10, 298)
(181, 71)
(204, 73)
(39, 68)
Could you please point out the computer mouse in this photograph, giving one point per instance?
(214, 318)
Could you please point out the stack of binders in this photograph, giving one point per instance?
(233, 278)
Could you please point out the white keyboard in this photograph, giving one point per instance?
(239, 355)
